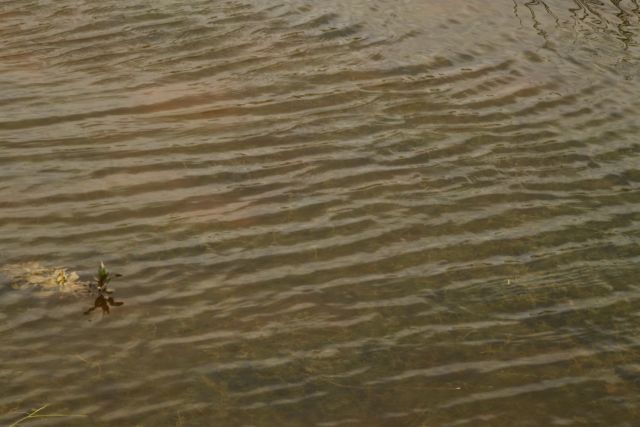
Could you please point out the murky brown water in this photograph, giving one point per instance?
(354, 213)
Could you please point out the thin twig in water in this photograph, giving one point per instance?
(33, 413)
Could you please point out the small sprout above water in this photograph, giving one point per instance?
(103, 300)
(103, 279)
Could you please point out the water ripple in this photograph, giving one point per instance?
(362, 213)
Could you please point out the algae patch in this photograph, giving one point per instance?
(36, 276)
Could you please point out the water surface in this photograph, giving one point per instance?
(354, 213)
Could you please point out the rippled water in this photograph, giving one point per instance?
(358, 213)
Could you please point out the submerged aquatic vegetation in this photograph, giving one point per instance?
(36, 414)
(59, 281)
(35, 275)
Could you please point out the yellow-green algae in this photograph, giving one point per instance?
(39, 277)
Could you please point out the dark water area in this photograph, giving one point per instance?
(355, 213)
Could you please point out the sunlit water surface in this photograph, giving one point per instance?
(327, 213)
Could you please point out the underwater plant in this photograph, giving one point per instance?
(59, 281)
(33, 275)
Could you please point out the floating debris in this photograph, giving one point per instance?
(58, 280)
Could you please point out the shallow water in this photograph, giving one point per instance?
(361, 213)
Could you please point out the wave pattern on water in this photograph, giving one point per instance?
(373, 213)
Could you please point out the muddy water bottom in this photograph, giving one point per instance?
(363, 213)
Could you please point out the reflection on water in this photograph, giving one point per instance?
(327, 213)
(104, 302)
